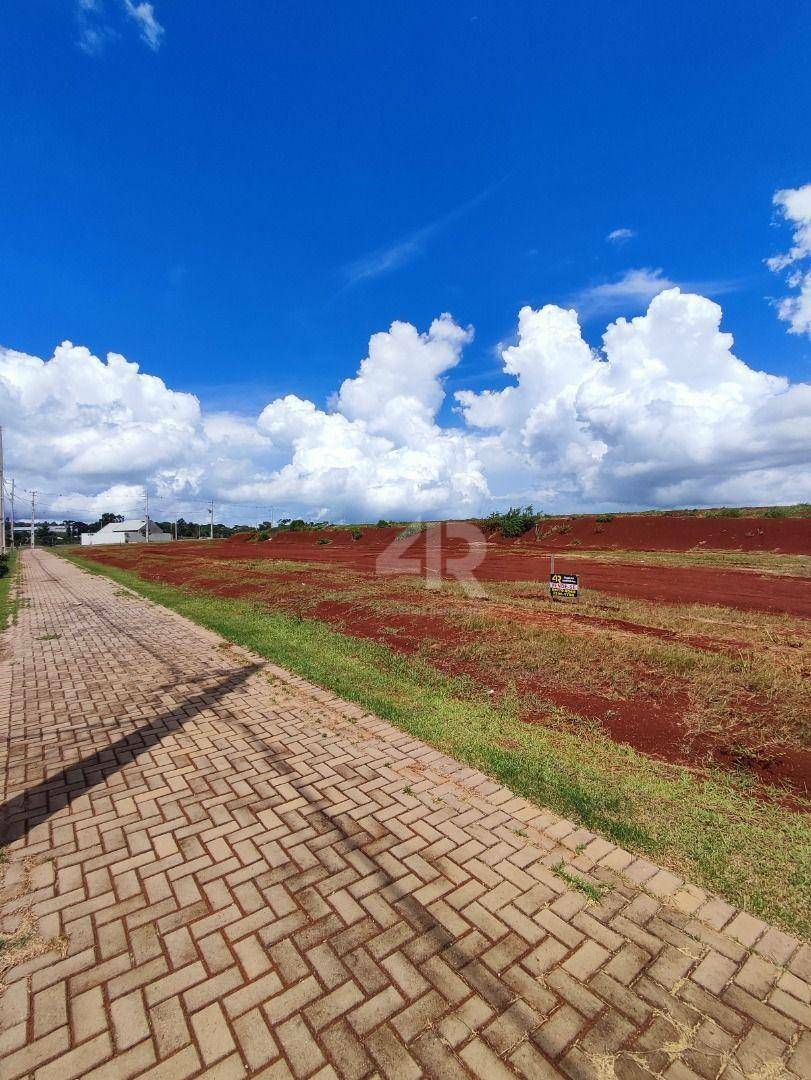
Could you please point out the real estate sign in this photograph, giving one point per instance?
(564, 585)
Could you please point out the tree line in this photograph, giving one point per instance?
(69, 530)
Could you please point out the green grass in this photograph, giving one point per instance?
(8, 599)
(575, 881)
(14, 941)
(708, 827)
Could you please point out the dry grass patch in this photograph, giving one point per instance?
(749, 681)
(26, 943)
(20, 939)
(763, 562)
(734, 691)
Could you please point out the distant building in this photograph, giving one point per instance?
(25, 527)
(127, 532)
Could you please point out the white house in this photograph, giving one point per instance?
(127, 532)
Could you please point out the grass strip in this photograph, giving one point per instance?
(8, 599)
(707, 827)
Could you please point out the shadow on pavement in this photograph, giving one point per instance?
(36, 804)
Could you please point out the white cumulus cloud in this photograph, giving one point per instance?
(380, 451)
(126, 499)
(662, 414)
(397, 390)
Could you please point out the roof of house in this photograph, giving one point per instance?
(132, 525)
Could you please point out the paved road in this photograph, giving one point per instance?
(219, 870)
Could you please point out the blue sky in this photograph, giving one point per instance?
(236, 196)
(198, 207)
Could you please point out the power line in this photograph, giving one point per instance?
(155, 498)
(171, 502)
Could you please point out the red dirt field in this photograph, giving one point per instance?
(640, 532)
(654, 717)
(524, 560)
(652, 723)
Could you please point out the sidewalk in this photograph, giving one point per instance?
(217, 869)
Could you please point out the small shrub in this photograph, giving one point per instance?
(298, 525)
(414, 529)
(514, 522)
(323, 540)
(604, 518)
(729, 512)
(356, 533)
(383, 524)
(776, 512)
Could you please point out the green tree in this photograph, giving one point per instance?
(44, 535)
(105, 519)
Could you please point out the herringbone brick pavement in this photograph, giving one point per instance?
(216, 869)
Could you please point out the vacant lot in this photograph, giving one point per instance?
(764, 571)
(676, 728)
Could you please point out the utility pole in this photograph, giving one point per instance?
(146, 514)
(12, 513)
(33, 514)
(2, 500)
(175, 528)
(211, 517)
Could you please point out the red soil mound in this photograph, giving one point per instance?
(792, 536)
